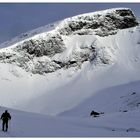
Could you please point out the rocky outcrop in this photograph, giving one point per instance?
(40, 47)
(103, 24)
(37, 55)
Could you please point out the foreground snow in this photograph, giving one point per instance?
(25, 124)
(120, 105)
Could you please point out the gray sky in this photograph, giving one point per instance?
(18, 18)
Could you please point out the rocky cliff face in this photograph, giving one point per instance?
(102, 23)
(62, 48)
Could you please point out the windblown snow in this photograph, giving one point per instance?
(61, 72)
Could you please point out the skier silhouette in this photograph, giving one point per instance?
(5, 118)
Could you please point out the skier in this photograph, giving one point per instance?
(95, 114)
(5, 118)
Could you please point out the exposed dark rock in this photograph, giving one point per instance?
(49, 47)
(125, 111)
(36, 55)
(107, 24)
(133, 93)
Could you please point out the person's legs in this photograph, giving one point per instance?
(6, 123)
(3, 125)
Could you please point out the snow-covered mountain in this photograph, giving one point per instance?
(66, 69)
(70, 43)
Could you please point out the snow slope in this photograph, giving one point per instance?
(25, 124)
(70, 69)
(72, 85)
